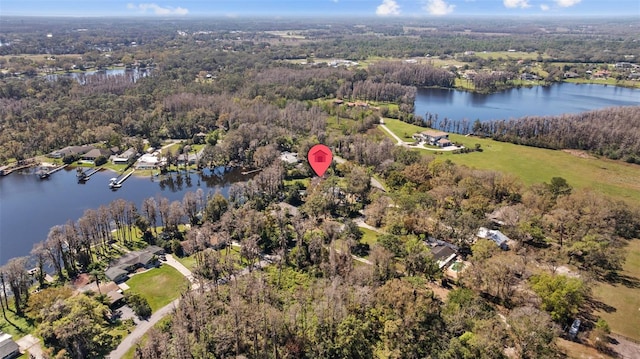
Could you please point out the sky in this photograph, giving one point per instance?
(346, 8)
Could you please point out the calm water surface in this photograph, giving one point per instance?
(30, 206)
(534, 101)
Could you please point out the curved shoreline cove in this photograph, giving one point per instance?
(29, 206)
(550, 100)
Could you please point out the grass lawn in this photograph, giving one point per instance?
(402, 129)
(624, 298)
(576, 350)
(608, 81)
(159, 286)
(368, 236)
(17, 326)
(616, 179)
(189, 262)
(506, 55)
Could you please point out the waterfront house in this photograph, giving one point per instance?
(146, 258)
(124, 157)
(71, 151)
(95, 153)
(433, 137)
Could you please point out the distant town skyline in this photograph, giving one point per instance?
(345, 8)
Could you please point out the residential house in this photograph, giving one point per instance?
(8, 348)
(148, 162)
(95, 153)
(289, 157)
(443, 253)
(602, 74)
(124, 157)
(71, 151)
(190, 158)
(494, 235)
(145, 258)
(433, 137)
(529, 77)
(623, 65)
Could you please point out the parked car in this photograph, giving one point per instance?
(575, 327)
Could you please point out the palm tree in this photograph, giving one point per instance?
(96, 276)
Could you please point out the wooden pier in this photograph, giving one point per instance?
(45, 174)
(7, 170)
(116, 183)
(85, 176)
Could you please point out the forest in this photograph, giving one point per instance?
(327, 292)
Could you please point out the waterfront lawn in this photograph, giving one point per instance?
(402, 129)
(160, 286)
(616, 179)
(622, 296)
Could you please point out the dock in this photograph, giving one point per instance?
(115, 183)
(7, 170)
(250, 172)
(45, 174)
(84, 176)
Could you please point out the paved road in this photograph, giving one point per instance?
(130, 340)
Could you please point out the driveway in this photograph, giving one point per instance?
(31, 344)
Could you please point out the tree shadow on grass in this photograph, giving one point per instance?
(615, 278)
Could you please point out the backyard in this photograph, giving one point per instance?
(160, 286)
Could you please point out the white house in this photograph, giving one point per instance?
(498, 237)
(433, 138)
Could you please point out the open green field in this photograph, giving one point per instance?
(616, 179)
(608, 81)
(518, 55)
(160, 286)
(623, 297)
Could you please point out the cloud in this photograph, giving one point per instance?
(567, 3)
(157, 9)
(544, 7)
(516, 3)
(388, 7)
(438, 7)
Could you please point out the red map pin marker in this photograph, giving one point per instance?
(320, 158)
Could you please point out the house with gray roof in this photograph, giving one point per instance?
(145, 258)
(8, 348)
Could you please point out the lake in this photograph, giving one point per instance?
(29, 206)
(526, 101)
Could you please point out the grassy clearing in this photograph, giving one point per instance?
(577, 351)
(16, 326)
(160, 286)
(514, 55)
(402, 129)
(623, 298)
(368, 236)
(189, 262)
(608, 81)
(616, 179)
